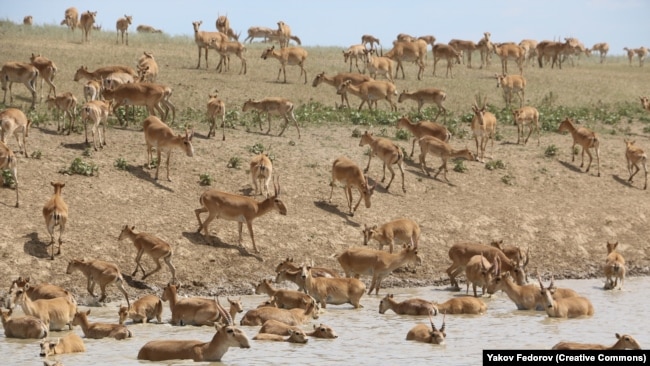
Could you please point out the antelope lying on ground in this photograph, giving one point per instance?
(376, 263)
(102, 72)
(233, 207)
(449, 53)
(86, 22)
(406, 231)
(388, 152)
(427, 95)
(371, 92)
(8, 161)
(191, 310)
(216, 108)
(157, 134)
(422, 333)
(143, 310)
(614, 267)
(100, 330)
(14, 122)
(274, 106)
(585, 138)
(96, 111)
(284, 299)
(623, 342)
(461, 253)
(526, 116)
(288, 264)
(378, 65)
(46, 70)
(412, 306)
(334, 291)
(462, 305)
(434, 146)
(143, 28)
(511, 84)
(292, 56)
(35, 292)
(55, 212)
(122, 26)
(347, 172)
(151, 245)
(424, 128)
(295, 316)
(484, 127)
(18, 72)
(570, 307)
(70, 343)
(99, 272)
(479, 271)
(339, 78)
(635, 156)
(226, 336)
(261, 173)
(67, 103)
(54, 313)
(295, 336)
(23, 327)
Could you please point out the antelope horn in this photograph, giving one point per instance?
(442, 329)
(541, 285)
(482, 264)
(552, 284)
(527, 257)
(226, 316)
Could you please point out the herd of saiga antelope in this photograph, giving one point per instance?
(49, 307)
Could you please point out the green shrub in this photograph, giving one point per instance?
(78, 166)
(234, 162)
(205, 179)
(550, 151)
(258, 148)
(120, 163)
(402, 134)
(36, 154)
(8, 178)
(495, 164)
(459, 166)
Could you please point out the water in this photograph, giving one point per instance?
(367, 337)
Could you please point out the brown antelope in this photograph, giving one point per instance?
(432, 145)
(23, 327)
(122, 26)
(407, 51)
(462, 305)
(511, 84)
(295, 316)
(285, 299)
(526, 116)
(261, 173)
(8, 161)
(225, 48)
(334, 291)
(295, 336)
(376, 263)
(100, 330)
(96, 111)
(510, 51)
(70, 343)
(466, 47)
(151, 95)
(570, 307)
(226, 336)
(422, 333)
(427, 95)
(292, 56)
(191, 310)
(355, 52)
(641, 52)
(347, 172)
(55, 212)
(290, 275)
(623, 342)
(484, 127)
(86, 22)
(405, 231)
(102, 72)
(46, 70)
(273, 106)
(585, 138)
(614, 267)
(18, 72)
(273, 326)
(284, 33)
(460, 254)
(143, 310)
(479, 271)
(371, 92)
(157, 134)
(216, 108)
(288, 264)
(413, 306)
(55, 313)
(424, 128)
(35, 292)
(449, 53)
(602, 48)
(371, 40)
(28, 20)
(513, 252)
(223, 26)
(388, 152)
(236, 307)
(549, 50)
(378, 65)
(258, 32)
(67, 103)
(99, 272)
(71, 18)
(339, 78)
(143, 28)
(151, 245)
(233, 207)
(645, 103)
(203, 39)
(147, 68)
(14, 122)
(635, 156)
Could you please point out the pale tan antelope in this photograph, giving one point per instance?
(413, 306)
(261, 173)
(86, 22)
(258, 32)
(427, 95)
(292, 56)
(92, 90)
(355, 52)
(28, 20)
(635, 156)
(614, 267)
(55, 213)
(526, 116)
(122, 26)
(460, 254)
(119, 78)
(584, 137)
(446, 52)
(388, 152)
(466, 48)
(335, 291)
(624, 341)
(513, 252)
(547, 50)
(272, 326)
(97, 111)
(478, 272)
(143, 28)
(71, 18)
(570, 307)
(530, 48)
(409, 52)
(485, 47)
(641, 52)
(422, 333)
(273, 106)
(151, 95)
(339, 78)
(484, 127)
(371, 92)
(645, 103)
(46, 70)
(288, 275)
(284, 33)
(378, 65)
(295, 316)
(462, 305)
(225, 48)
(602, 48)
(424, 128)
(99, 272)
(18, 72)
(376, 263)
(434, 146)
(157, 134)
(55, 313)
(289, 264)
(510, 51)
(100, 330)
(70, 343)
(14, 122)
(283, 298)
(23, 327)
(102, 72)
(216, 108)
(203, 39)
(8, 161)
(190, 310)
(348, 172)
(35, 292)
(511, 84)
(404, 231)
(294, 336)
(67, 103)
(234, 207)
(151, 245)
(143, 310)
(371, 40)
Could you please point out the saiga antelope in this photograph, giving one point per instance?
(157, 134)
(585, 138)
(635, 156)
(614, 267)
(273, 106)
(99, 272)
(424, 128)
(389, 153)
(151, 245)
(292, 56)
(570, 307)
(55, 213)
(526, 116)
(347, 172)
(484, 126)
(432, 145)
(8, 161)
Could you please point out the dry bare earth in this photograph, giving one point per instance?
(564, 215)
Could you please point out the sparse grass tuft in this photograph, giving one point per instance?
(205, 179)
(80, 167)
(550, 151)
(234, 162)
(120, 163)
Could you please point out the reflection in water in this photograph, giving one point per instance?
(367, 337)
